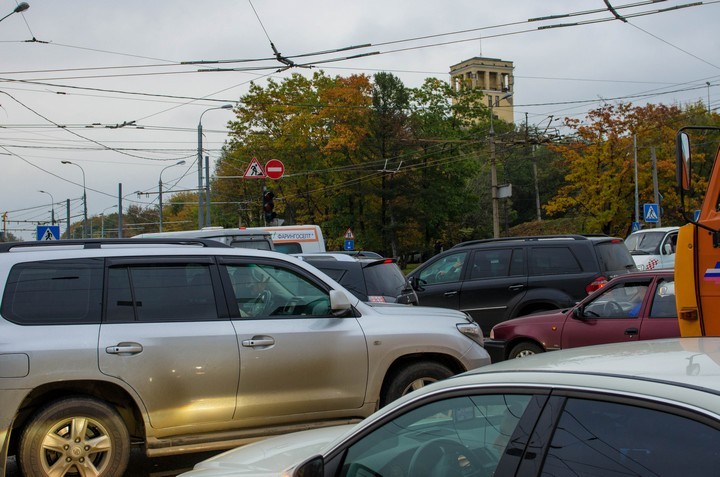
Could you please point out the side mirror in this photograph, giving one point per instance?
(313, 467)
(339, 302)
(416, 283)
(578, 313)
(668, 249)
(682, 161)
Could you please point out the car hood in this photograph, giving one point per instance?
(269, 457)
(552, 317)
(405, 310)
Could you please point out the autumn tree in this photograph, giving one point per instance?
(600, 159)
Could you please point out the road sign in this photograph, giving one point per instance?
(48, 232)
(349, 245)
(274, 169)
(696, 216)
(254, 170)
(651, 213)
(635, 226)
(349, 235)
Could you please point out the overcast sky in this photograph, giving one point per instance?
(71, 69)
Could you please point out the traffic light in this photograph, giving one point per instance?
(268, 206)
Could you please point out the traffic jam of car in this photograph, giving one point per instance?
(356, 369)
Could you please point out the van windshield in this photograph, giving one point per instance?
(645, 243)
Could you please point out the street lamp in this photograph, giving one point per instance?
(84, 198)
(493, 171)
(52, 205)
(102, 220)
(201, 221)
(179, 163)
(22, 6)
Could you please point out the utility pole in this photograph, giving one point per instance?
(656, 192)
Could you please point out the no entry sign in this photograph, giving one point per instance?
(274, 169)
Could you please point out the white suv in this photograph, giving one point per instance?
(189, 346)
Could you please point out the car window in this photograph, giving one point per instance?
(54, 292)
(263, 290)
(459, 436)
(444, 270)
(612, 439)
(553, 261)
(663, 305)
(621, 301)
(160, 292)
(614, 256)
(496, 263)
(384, 279)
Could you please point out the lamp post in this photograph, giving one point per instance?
(22, 6)
(493, 171)
(160, 203)
(52, 205)
(84, 198)
(201, 221)
(102, 220)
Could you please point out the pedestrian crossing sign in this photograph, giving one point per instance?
(48, 232)
(651, 213)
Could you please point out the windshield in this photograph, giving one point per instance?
(385, 279)
(644, 242)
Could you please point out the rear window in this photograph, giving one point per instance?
(614, 257)
(54, 292)
(384, 279)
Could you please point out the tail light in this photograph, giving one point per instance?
(596, 284)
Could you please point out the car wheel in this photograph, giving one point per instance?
(525, 349)
(413, 377)
(78, 436)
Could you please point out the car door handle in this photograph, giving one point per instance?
(450, 293)
(258, 342)
(631, 331)
(124, 348)
(516, 287)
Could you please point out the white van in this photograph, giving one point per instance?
(296, 238)
(653, 248)
(239, 238)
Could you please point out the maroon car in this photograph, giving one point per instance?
(636, 306)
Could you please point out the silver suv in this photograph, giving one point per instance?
(189, 346)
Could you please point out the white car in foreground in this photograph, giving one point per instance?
(643, 409)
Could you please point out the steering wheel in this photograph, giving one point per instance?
(445, 458)
(612, 308)
(261, 302)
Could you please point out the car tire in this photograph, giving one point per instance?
(413, 377)
(49, 445)
(525, 349)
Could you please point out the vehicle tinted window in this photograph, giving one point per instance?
(614, 256)
(663, 305)
(553, 261)
(384, 279)
(459, 436)
(496, 263)
(161, 292)
(54, 292)
(263, 290)
(611, 439)
(292, 247)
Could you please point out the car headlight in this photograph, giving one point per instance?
(472, 331)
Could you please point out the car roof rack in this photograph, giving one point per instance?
(111, 242)
(529, 238)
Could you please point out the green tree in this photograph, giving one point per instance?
(600, 160)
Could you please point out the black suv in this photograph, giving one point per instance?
(366, 276)
(498, 279)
